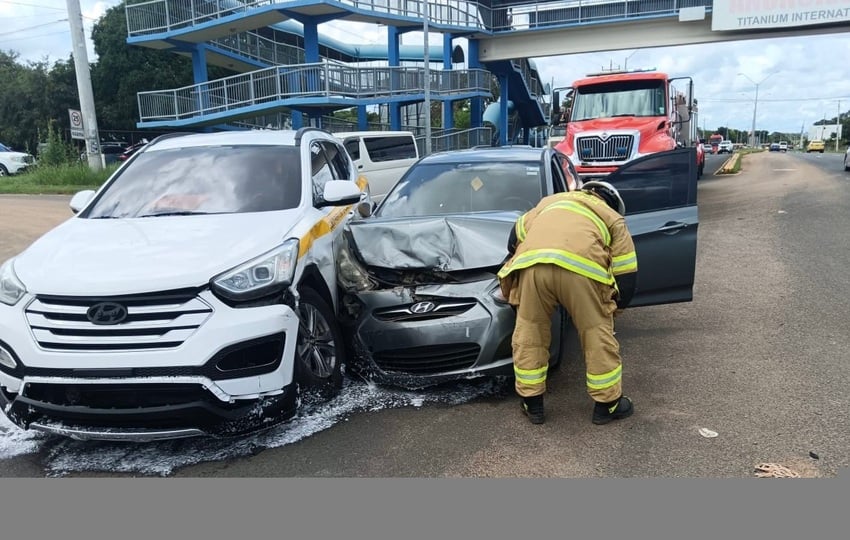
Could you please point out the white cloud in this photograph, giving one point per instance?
(803, 69)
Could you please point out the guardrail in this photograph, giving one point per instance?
(457, 140)
(323, 79)
(155, 16)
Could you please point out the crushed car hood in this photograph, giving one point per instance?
(128, 256)
(447, 243)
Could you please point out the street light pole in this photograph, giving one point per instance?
(427, 75)
(755, 103)
(838, 125)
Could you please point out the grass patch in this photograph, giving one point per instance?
(59, 179)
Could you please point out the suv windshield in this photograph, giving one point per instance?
(630, 98)
(456, 188)
(204, 180)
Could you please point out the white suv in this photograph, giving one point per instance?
(193, 294)
(725, 146)
(12, 162)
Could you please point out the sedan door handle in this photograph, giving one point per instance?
(672, 227)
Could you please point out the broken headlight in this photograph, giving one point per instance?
(350, 273)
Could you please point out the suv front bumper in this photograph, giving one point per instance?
(143, 394)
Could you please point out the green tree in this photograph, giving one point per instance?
(123, 70)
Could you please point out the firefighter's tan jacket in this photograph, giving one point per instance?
(577, 231)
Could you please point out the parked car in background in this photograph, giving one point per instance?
(816, 146)
(194, 293)
(783, 146)
(382, 157)
(706, 147)
(132, 149)
(774, 147)
(12, 162)
(423, 303)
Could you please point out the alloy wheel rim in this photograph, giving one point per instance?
(316, 346)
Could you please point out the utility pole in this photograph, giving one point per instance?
(838, 125)
(426, 57)
(81, 65)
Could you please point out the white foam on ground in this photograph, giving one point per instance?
(64, 456)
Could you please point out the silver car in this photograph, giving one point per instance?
(422, 302)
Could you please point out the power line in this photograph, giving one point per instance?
(775, 100)
(19, 30)
(33, 37)
(42, 6)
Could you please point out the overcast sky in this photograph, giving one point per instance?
(805, 76)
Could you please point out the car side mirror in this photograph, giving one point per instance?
(365, 208)
(340, 193)
(80, 200)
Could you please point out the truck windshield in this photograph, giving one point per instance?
(622, 98)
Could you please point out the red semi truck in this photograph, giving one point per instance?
(617, 116)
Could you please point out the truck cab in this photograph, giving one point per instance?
(615, 117)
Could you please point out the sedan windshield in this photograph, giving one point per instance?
(204, 180)
(456, 188)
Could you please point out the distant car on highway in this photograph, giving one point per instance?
(725, 147)
(774, 147)
(783, 146)
(816, 146)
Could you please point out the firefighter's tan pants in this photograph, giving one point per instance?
(591, 306)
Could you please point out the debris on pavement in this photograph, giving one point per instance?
(707, 433)
(813, 455)
(775, 470)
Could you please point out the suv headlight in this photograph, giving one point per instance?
(265, 275)
(11, 288)
(19, 159)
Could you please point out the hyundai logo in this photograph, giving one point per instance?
(106, 313)
(420, 308)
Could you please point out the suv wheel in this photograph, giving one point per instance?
(4, 171)
(846, 165)
(320, 351)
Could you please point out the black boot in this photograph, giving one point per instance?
(614, 410)
(533, 409)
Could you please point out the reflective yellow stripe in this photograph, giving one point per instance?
(624, 263)
(531, 376)
(581, 210)
(520, 228)
(564, 259)
(606, 380)
(328, 223)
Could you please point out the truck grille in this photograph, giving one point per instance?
(613, 148)
(150, 321)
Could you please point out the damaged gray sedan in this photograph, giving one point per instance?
(422, 303)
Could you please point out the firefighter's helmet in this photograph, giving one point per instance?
(608, 193)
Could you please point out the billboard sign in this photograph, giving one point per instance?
(763, 14)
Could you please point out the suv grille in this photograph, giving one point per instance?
(614, 148)
(153, 321)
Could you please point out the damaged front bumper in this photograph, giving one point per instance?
(430, 334)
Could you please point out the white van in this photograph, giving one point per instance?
(381, 156)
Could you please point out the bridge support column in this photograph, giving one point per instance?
(199, 73)
(504, 118)
(476, 105)
(362, 118)
(394, 59)
(311, 56)
(448, 104)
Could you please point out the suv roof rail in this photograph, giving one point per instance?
(302, 131)
(170, 135)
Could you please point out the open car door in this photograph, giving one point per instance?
(660, 192)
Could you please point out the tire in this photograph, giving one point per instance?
(564, 332)
(320, 350)
(3, 170)
(700, 170)
(846, 165)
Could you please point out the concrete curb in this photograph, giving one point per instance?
(729, 164)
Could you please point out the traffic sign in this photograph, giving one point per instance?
(76, 124)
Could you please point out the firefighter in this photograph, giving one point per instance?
(570, 250)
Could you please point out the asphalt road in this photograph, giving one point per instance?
(759, 357)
